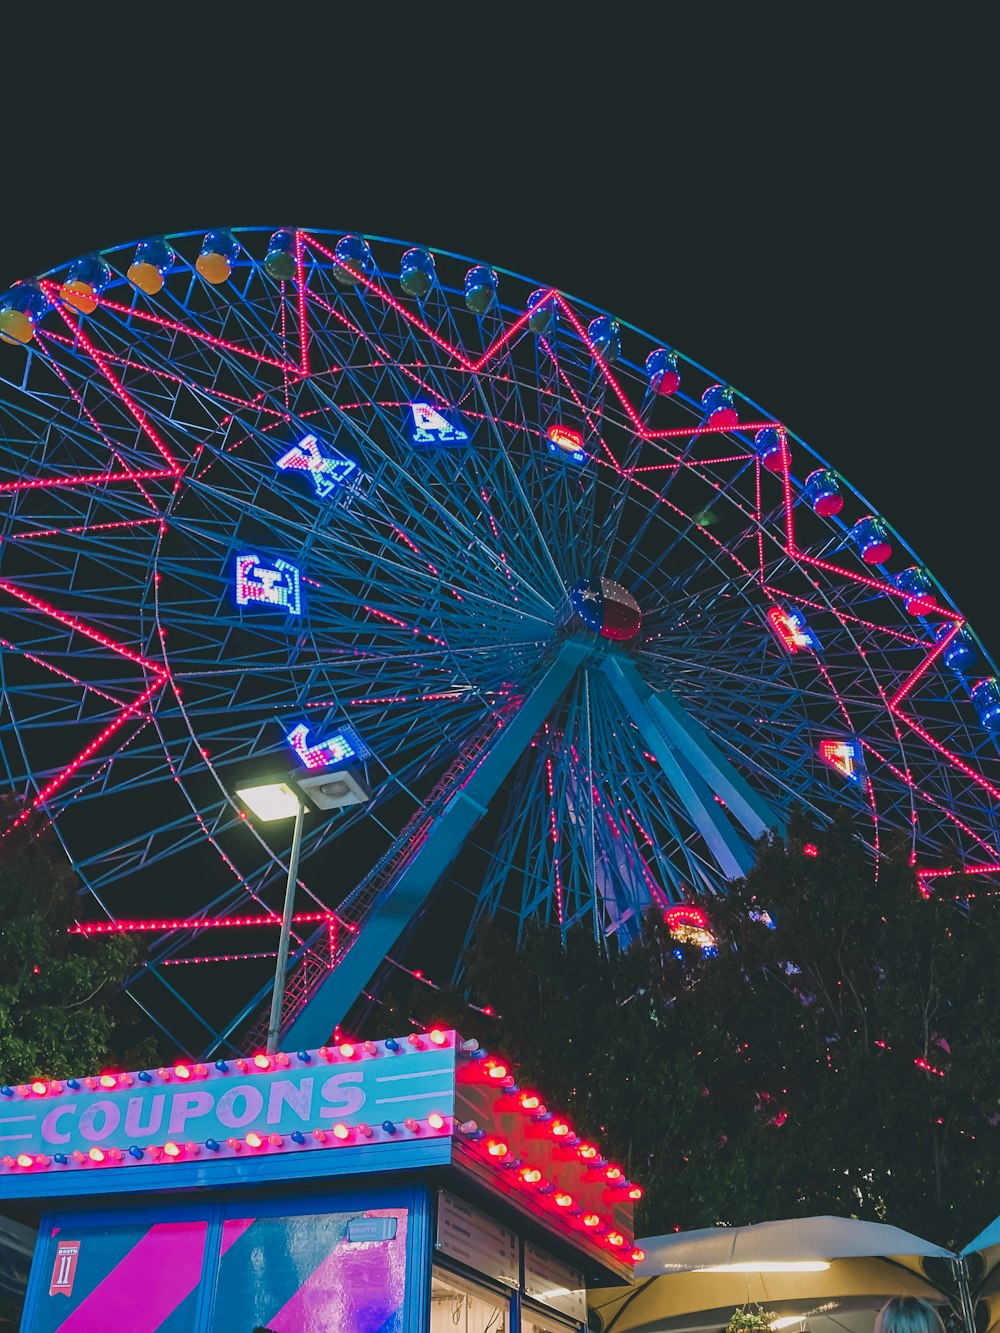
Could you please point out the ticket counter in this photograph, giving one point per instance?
(402, 1186)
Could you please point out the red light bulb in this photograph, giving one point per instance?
(254, 1140)
(435, 1121)
(341, 1131)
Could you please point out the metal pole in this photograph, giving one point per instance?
(961, 1271)
(281, 966)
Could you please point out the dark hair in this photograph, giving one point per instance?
(907, 1314)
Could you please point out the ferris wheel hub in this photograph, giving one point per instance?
(606, 608)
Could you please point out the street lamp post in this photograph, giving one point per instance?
(281, 966)
(272, 801)
(282, 798)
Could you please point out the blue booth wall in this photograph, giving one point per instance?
(336, 1262)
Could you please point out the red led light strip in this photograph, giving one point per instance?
(193, 923)
(54, 784)
(131, 710)
(58, 671)
(100, 361)
(216, 958)
(300, 285)
(84, 527)
(136, 312)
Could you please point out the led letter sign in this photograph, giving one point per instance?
(327, 473)
(429, 425)
(271, 582)
(339, 748)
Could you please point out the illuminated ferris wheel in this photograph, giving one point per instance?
(555, 622)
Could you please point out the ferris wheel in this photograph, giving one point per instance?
(556, 622)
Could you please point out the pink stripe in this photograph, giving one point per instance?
(356, 1287)
(232, 1229)
(145, 1287)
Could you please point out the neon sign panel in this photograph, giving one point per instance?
(429, 425)
(791, 629)
(268, 582)
(327, 474)
(562, 442)
(847, 758)
(342, 746)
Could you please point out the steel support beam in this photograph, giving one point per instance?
(403, 901)
(695, 768)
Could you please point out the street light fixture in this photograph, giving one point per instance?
(279, 798)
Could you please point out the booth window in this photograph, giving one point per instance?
(460, 1306)
(544, 1323)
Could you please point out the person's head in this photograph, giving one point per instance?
(907, 1314)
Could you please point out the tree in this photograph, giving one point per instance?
(840, 1053)
(60, 1010)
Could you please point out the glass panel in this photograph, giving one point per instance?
(542, 1323)
(320, 1273)
(128, 1275)
(458, 1306)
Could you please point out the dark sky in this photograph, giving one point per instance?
(798, 203)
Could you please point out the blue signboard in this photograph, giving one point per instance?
(374, 1093)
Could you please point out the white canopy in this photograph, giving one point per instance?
(815, 1268)
(789, 1240)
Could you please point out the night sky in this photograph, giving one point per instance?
(802, 212)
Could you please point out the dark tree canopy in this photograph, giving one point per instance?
(60, 1010)
(846, 1061)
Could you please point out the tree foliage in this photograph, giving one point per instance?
(60, 1013)
(845, 1061)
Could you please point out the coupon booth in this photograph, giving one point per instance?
(408, 1185)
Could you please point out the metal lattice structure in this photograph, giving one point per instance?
(592, 621)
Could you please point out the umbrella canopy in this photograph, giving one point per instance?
(845, 1296)
(797, 1268)
(791, 1240)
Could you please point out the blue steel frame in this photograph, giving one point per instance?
(142, 444)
